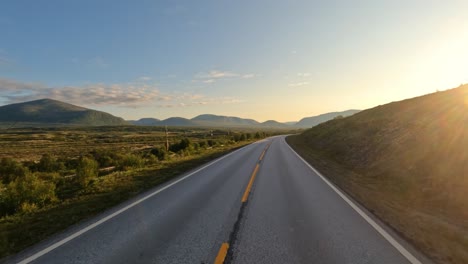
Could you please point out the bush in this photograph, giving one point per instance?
(26, 192)
(211, 142)
(86, 171)
(10, 170)
(105, 158)
(49, 164)
(182, 145)
(160, 153)
(128, 161)
(202, 144)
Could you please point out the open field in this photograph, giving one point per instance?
(62, 171)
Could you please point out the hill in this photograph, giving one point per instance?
(315, 120)
(177, 121)
(407, 162)
(210, 120)
(146, 122)
(48, 111)
(274, 124)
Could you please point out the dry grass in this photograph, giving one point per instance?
(406, 162)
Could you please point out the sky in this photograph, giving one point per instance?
(281, 60)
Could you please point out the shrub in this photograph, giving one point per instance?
(211, 142)
(105, 158)
(10, 170)
(202, 144)
(49, 164)
(26, 192)
(160, 153)
(86, 171)
(182, 145)
(128, 161)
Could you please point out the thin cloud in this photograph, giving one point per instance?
(298, 84)
(144, 78)
(215, 75)
(126, 95)
(304, 74)
(248, 76)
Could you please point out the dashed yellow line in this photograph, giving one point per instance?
(223, 250)
(222, 253)
(263, 154)
(249, 186)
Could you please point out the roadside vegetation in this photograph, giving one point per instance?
(407, 162)
(53, 178)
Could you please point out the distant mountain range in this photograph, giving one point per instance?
(231, 121)
(53, 112)
(48, 111)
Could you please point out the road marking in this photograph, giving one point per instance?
(223, 250)
(249, 186)
(412, 259)
(263, 154)
(107, 218)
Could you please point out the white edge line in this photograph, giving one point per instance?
(86, 229)
(412, 259)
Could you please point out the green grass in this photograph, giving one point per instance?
(407, 163)
(25, 229)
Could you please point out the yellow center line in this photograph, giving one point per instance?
(223, 250)
(249, 186)
(263, 154)
(222, 253)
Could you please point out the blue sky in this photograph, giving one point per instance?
(280, 60)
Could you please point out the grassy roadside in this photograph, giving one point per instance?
(21, 230)
(443, 239)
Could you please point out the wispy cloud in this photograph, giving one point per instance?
(215, 75)
(249, 75)
(304, 74)
(298, 84)
(144, 78)
(126, 95)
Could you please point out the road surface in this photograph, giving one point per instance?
(259, 204)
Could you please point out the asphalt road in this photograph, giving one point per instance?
(260, 204)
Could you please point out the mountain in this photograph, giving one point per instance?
(208, 120)
(315, 120)
(230, 121)
(274, 124)
(403, 158)
(48, 111)
(177, 121)
(146, 122)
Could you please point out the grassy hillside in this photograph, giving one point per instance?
(407, 162)
(49, 111)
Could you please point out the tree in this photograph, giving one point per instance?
(86, 171)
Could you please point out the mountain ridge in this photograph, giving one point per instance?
(49, 111)
(53, 112)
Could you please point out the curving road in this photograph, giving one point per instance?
(259, 204)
